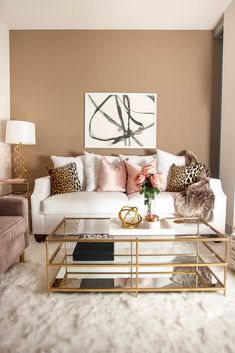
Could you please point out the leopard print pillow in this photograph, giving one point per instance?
(64, 179)
(183, 176)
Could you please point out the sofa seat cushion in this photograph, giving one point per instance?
(85, 203)
(162, 205)
(10, 228)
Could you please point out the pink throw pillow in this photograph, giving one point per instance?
(112, 176)
(132, 171)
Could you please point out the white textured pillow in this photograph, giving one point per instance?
(59, 161)
(92, 166)
(164, 163)
(138, 160)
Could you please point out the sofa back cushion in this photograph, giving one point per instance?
(64, 179)
(132, 171)
(112, 176)
(164, 163)
(60, 161)
(183, 176)
(92, 167)
(138, 160)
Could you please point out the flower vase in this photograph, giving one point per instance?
(148, 203)
(152, 221)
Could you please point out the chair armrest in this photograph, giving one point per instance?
(16, 206)
(13, 206)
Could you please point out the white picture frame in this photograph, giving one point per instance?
(120, 120)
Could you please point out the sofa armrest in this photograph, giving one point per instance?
(220, 205)
(216, 186)
(42, 189)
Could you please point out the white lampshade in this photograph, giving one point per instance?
(20, 132)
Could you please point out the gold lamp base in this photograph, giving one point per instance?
(20, 161)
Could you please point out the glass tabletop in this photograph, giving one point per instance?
(109, 228)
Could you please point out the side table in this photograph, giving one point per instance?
(17, 181)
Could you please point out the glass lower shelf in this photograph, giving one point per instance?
(145, 282)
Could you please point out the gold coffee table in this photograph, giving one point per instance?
(97, 254)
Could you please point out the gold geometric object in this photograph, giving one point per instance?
(130, 217)
(20, 160)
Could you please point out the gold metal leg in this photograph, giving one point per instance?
(47, 268)
(131, 266)
(225, 267)
(197, 253)
(137, 266)
(22, 257)
(66, 268)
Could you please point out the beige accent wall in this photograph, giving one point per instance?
(5, 151)
(52, 69)
(227, 170)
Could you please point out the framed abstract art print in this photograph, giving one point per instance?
(120, 120)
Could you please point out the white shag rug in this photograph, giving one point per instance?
(33, 322)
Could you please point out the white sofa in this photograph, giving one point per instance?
(48, 210)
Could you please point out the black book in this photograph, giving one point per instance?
(89, 251)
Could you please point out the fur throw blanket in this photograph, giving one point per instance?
(197, 200)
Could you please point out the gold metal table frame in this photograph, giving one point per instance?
(66, 275)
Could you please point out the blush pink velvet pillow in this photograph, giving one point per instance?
(112, 176)
(132, 171)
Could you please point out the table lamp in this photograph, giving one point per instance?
(20, 133)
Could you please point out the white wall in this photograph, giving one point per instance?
(227, 152)
(5, 152)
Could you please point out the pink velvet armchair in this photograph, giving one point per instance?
(14, 237)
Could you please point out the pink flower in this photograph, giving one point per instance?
(139, 179)
(148, 169)
(157, 180)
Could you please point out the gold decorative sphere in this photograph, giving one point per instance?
(130, 217)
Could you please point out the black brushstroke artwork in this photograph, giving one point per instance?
(129, 126)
